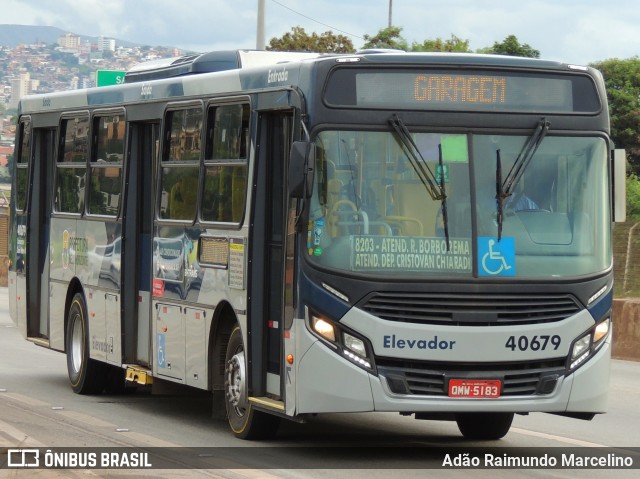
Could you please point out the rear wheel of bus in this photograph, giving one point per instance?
(86, 375)
(484, 426)
(244, 420)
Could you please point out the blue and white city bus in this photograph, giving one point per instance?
(428, 234)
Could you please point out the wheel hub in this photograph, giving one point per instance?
(236, 382)
(76, 344)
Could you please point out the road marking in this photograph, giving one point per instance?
(86, 419)
(147, 439)
(21, 398)
(14, 437)
(553, 437)
(255, 474)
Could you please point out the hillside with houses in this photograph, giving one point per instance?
(7, 135)
(35, 60)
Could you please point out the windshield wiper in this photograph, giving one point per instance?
(443, 207)
(417, 160)
(500, 194)
(435, 188)
(505, 189)
(525, 155)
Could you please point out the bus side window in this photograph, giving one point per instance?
(226, 155)
(183, 194)
(71, 165)
(24, 158)
(106, 165)
(181, 164)
(224, 193)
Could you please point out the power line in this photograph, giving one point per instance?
(314, 20)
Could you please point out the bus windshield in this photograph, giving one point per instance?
(373, 212)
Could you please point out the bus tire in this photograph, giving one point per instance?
(86, 375)
(484, 426)
(244, 420)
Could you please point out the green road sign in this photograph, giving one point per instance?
(109, 77)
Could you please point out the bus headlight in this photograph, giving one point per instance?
(324, 328)
(348, 343)
(354, 344)
(580, 350)
(587, 345)
(602, 330)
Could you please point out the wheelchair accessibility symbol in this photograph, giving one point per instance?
(162, 360)
(496, 258)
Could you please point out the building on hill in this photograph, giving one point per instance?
(5, 151)
(69, 41)
(20, 86)
(106, 44)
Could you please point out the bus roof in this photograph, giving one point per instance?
(244, 70)
(210, 62)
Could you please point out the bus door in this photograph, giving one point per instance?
(269, 292)
(138, 241)
(19, 217)
(38, 230)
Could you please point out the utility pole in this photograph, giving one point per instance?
(260, 40)
(390, 12)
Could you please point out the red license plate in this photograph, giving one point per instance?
(474, 388)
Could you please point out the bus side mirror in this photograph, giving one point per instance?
(619, 186)
(301, 164)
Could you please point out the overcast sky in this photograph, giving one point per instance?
(573, 31)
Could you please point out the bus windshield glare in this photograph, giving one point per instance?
(371, 213)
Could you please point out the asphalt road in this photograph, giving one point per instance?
(38, 409)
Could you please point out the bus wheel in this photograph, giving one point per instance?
(244, 420)
(86, 375)
(484, 426)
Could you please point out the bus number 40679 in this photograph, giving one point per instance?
(534, 343)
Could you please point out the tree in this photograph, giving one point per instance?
(622, 82)
(299, 41)
(633, 197)
(387, 38)
(511, 46)
(69, 59)
(10, 164)
(453, 44)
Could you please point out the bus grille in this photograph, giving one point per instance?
(471, 309)
(431, 379)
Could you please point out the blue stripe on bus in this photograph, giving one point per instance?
(318, 298)
(602, 306)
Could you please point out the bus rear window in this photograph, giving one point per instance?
(468, 90)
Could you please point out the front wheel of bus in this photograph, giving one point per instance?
(85, 374)
(484, 426)
(244, 420)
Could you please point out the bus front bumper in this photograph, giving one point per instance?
(329, 383)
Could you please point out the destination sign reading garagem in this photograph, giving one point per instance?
(460, 89)
(468, 90)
